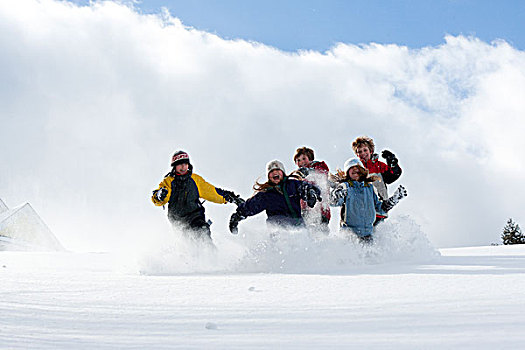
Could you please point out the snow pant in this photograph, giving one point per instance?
(200, 228)
(195, 226)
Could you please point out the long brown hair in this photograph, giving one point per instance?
(261, 187)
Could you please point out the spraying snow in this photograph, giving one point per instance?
(262, 249)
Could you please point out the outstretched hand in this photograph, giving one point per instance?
(399, 194)
(231, 197)
(390, 158)
(234, 222)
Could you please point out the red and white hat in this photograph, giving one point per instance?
(180, 157)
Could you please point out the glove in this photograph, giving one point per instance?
(231, 197)
(390, 157)
(234, 222)
(314, 195)
(310, 194)
(303, 172)
(338, 193)
(399, 194)
(161, 194)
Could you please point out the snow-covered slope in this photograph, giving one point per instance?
(469, 298)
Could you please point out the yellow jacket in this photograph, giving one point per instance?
(205, 190)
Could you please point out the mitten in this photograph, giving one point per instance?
(234, 222)
(303, 172)
(231, 197)
(338, 193)
(161, 194)
(390, 157)
(399, 194)
(310, 194)
(314, 196)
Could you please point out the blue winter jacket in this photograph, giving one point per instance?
(361, 206)
(273, 200)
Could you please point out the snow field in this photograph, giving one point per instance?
(465, 298)
(260, 289)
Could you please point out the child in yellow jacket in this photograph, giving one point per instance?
(182, 190)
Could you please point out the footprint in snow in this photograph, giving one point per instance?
(211, 325)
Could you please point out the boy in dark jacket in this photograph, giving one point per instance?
(181, 189)
(280, 197)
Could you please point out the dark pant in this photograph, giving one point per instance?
(200, 228)
(366, 239)
(194, 226)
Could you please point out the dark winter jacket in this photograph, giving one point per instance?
(184, 192)
(281, 203)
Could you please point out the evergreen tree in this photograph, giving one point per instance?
(512, 234)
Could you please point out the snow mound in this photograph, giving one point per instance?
(21, 228)
(286, 251)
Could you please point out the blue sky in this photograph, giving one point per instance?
(319, 24)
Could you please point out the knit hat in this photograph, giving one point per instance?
(180, 157)
(352, 162)
(273, 165)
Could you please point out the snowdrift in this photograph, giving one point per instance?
(21, 228)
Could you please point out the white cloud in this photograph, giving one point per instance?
(96, 99)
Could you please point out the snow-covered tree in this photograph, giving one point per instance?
(512, 234)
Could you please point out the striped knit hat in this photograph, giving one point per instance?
(180, 157)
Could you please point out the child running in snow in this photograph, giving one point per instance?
(181, 189)
(364, 148)
(280, 197)
(361, 203)
(316, 172)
